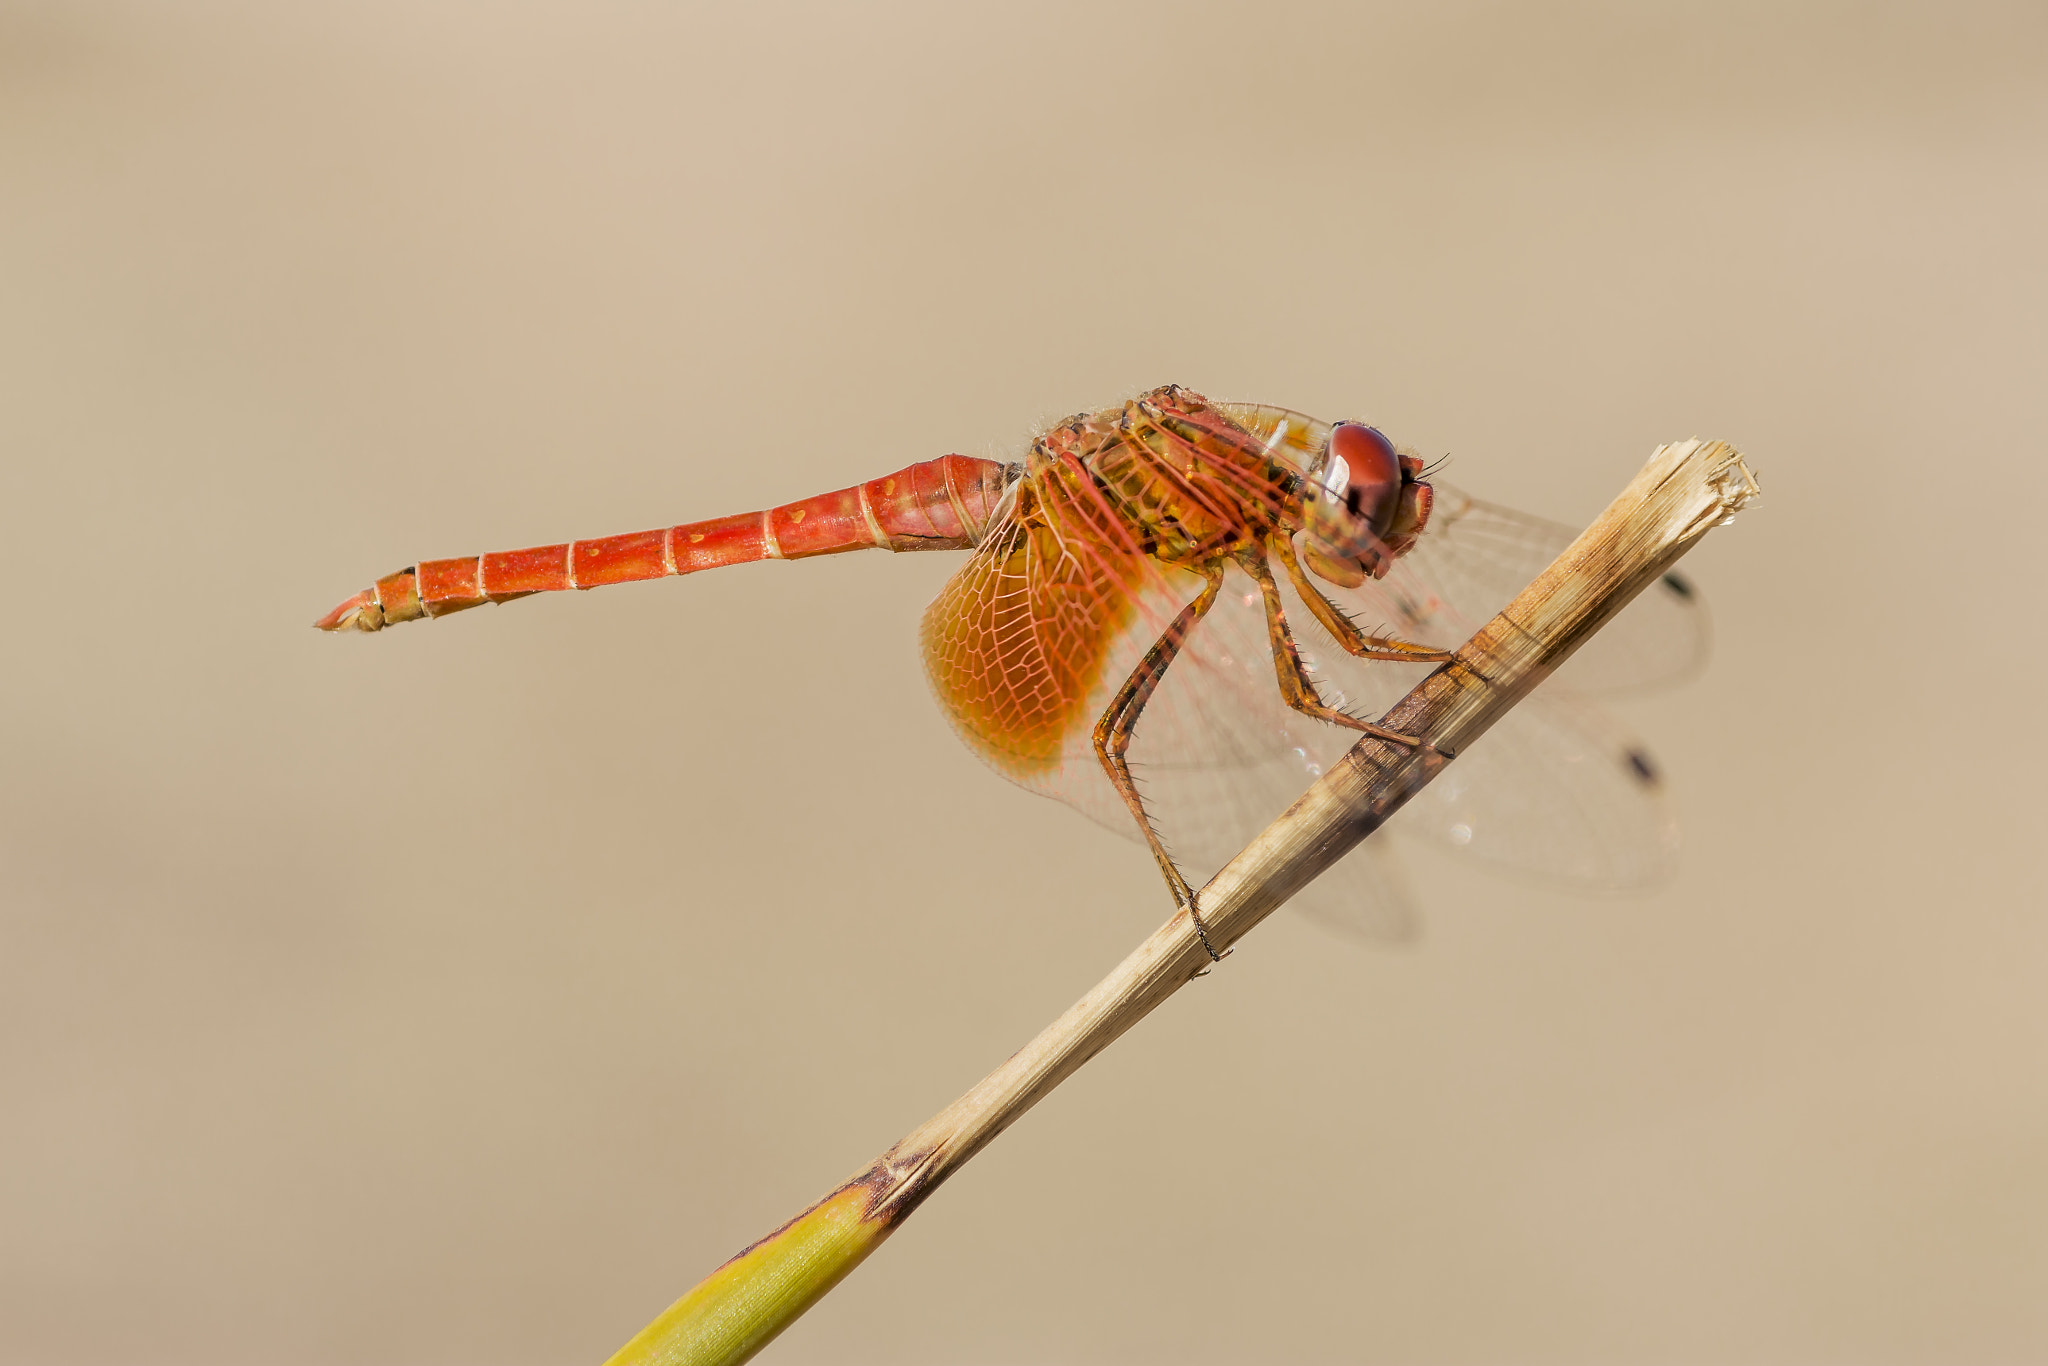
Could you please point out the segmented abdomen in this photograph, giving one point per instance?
(942, 504)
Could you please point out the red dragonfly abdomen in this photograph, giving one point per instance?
(942, 504)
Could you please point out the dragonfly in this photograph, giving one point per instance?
(1176, 612)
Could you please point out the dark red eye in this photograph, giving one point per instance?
(1372, 472)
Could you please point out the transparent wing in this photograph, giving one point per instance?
(1557, 789)
(1476, 556)
(1219, 756)
(1365, 897)
(1209, 815)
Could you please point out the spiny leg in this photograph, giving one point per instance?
(1113, 737)
(1296, 689)
(1346, 632)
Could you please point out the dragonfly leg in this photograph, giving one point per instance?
(1113, 738)
(1296, 688)
(1354, 641)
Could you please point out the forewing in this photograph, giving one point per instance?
(1476, 556)
(1556, 788)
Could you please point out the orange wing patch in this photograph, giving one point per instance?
(1016, 642)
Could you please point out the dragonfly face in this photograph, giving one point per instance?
(1363, 505)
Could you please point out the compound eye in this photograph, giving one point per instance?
(1370, 474)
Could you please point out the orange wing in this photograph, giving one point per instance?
(1018, 643)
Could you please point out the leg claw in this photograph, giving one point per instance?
(1202, 933)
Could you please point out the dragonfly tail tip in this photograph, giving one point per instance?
(359, 613)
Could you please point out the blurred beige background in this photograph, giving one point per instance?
(463, 995)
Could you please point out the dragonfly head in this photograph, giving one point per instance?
(1363, 505)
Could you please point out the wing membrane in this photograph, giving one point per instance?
(1556, 789)
(1476, 556)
